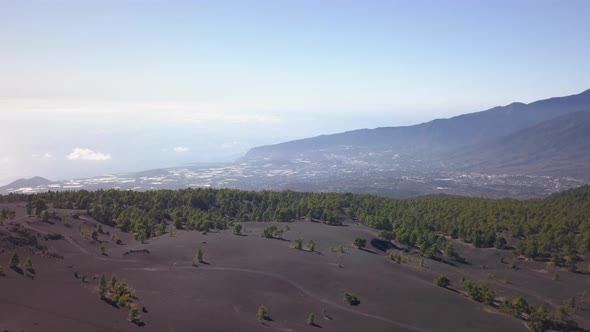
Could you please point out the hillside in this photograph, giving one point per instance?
(556, 147)
(434, 136)
(33, 182)
(224, 253)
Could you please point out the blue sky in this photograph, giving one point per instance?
(159, 83)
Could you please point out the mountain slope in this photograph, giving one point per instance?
(560, 146)
(434, 136)
(27, 183)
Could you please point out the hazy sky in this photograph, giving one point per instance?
(93, 87)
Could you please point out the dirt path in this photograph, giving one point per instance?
(310, 294)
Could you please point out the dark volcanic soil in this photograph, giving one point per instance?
(242, 272)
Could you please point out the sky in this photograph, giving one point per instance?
(106, 86)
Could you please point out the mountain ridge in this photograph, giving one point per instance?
(24, 182)
(438, 134)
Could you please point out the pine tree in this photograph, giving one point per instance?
(311, 319)
(200, 255)
(28, 264)
(133, 312)
(113, 283)
(262, 313)
(14, 260)
(102, 286)
(311, 245)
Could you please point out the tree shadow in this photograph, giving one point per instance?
(110, 302)
(444, 261)
(280, 239)
(383, 245)
(316, 325)
(452, 290)
(368, 250)
(145, 251)
(18, 270)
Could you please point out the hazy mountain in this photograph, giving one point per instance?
(434, 136)
(560, 146)
(519, 150)
(33, 182)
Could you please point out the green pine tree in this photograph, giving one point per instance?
(14, 260)
(262, 313)
(28, 264)
(311, 319)
(102, 286)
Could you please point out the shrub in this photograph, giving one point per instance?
(298, 244)
(351, 299)
(360, 243)
(479, 292)
(442, 281)
(237, 229)
(269, 231)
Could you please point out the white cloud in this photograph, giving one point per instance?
(87, 154)
(181, 149)
(233, 145)
(46, 155)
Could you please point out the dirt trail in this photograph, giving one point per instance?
(310, 294)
